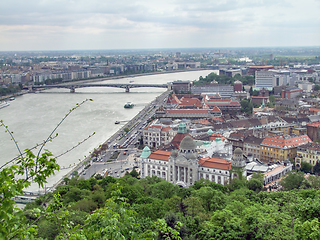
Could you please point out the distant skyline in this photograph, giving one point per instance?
(102, 24)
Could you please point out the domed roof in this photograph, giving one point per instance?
(174, 153)
(238, 151)
(187, 143)
(182, 128)
(218, 139)
(145, 152)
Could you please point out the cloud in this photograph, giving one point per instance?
(166, 23)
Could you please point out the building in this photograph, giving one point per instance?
(251, 146)
(313, 131)
(156, 135)
(190, 103)
(224, 104)
(181, 86)
(238, 163)
(275, 175)
(230, 72)
(253, 69)
(280, 148)
(225, 91)
(309, 153)
(258, 100)
(238, 86)
(185, 113)
(264, 79)
(182, 167)
(181, 134)
(291, 92)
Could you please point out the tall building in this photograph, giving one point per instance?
(264, 79)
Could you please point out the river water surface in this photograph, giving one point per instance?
(32, 117)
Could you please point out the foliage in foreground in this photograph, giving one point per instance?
(151, 208)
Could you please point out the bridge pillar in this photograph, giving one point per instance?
(127, 88)
(72, 90)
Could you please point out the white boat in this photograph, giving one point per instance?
(4, 104)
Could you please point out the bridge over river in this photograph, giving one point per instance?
(73, 86)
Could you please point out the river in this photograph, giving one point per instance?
(32, 117)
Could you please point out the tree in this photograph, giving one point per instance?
(316, 168)
(293, 180)
(255, 93)
(16, 175)
(246, 106)
(251, 91)
(316, 87)
(306, 167)
(167, 232)
(255, 185)
(308, 230)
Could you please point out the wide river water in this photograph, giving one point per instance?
(32, 117)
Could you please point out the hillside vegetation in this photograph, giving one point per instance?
(151, 208)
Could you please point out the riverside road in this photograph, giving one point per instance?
(122, 143)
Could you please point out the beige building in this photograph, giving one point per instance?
(156, 135)
(251, 146)
(309, 153)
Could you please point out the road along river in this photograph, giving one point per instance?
(32, 117)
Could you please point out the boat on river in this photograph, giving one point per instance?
(128, 105)
(4, 104)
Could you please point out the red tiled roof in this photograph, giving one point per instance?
(235, 103)
(314, 109)
(217, 163)
(219, 100)
(173, 99)
(216, 109)
(187, 111)
(260, 97)
(213, 136)
(190, 102)
(165, 129)
(160, 155)
(153, 126)
(178, 138)
(157, 127)
(281, 142)
(314, 124)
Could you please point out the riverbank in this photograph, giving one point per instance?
(117, 138)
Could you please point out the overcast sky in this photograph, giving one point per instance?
(129, 24)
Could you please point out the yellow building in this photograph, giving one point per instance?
(286, 129)
(280, 148)
(309, 153)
